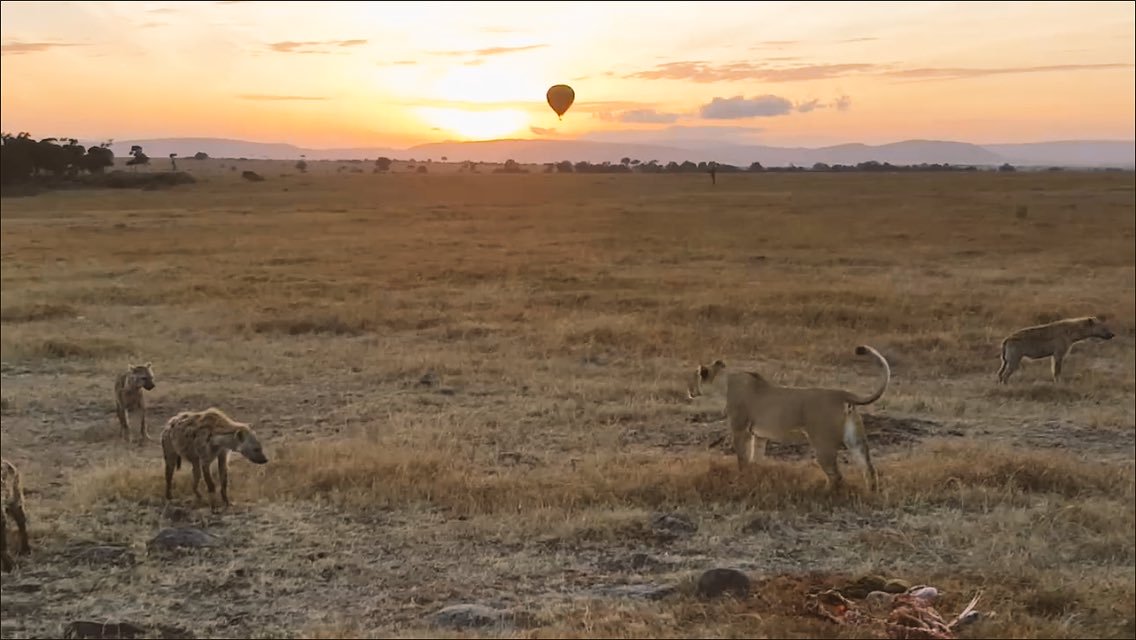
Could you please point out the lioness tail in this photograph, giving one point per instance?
(855, 399)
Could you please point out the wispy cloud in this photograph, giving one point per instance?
(490, 51)
(313, 46)
(958, 73)
(811, 105)
(541, 131)
(698, 71)
(737, 107)
(153, 24)
(646, 116)
(19, 48)
(162, 10)
(272, 97)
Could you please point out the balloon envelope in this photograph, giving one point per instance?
(560, 97)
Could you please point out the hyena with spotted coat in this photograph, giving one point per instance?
(128, 398)
(12, 494)
(201, 437)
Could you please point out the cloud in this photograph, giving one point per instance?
(647, 116)
(541, 131)
(958, 73)
(682, 136)
(271, 98)
(490, 51)
(737, 107)
(399, 62)
(843, 103)
(18, 48)
(811, 105)
(775, 44)
(316, 46)
(162, 10)
(698, 71)
(152, 24)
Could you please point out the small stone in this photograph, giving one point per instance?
(718, 582)
(183, 537)
(645, 591)
(673, 524)
(461, 616)
(99, 630)
(896, 585)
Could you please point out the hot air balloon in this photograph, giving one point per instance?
(560, 97)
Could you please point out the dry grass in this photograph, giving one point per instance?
(470, 390)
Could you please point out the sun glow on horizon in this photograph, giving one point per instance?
(476, 125)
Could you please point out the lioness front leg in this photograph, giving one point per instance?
(744, 447)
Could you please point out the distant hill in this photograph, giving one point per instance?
(1069, 153)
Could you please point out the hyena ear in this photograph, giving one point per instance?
(148, 365)
(241, 435)
(1102, 318)
(703, 372)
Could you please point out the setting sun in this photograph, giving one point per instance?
(476, 125)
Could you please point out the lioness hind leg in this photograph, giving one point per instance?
(1011, 360)
(857, 442)
(826, 458)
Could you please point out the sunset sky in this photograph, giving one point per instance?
(337, 74)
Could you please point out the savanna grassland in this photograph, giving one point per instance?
(471, 390)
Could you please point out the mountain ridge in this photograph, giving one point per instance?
(1069, 153)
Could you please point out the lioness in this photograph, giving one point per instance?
(759, 411)
(1053, 340)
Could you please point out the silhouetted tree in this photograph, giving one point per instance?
(756, 166)
(383, 164)
(201, 155)
(1006, 168)
(173, 162)
(138, 157)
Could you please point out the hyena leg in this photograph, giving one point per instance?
(209, 479)
(122, 421)
(171, 465)
(223, 474)
(5, 559)
(142, 429)
(16, 510)
(1058, 358)
(197, 478)
(1011, 360)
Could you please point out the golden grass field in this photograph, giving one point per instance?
(471, 390)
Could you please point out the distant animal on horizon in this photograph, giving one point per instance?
(1052, 340)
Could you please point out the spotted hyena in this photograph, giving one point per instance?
(128, 398)
(12, 494)
(202, 436)
(1053, 340)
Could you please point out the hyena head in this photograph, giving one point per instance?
(248, 446)
(142, 375)
(1096, 328)
(704, 374)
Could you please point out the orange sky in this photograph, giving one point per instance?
(333, 74)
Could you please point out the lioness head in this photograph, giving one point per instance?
(1098, 329)
(703, 374)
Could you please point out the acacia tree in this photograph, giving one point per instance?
(173, 162)
(138, 157)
